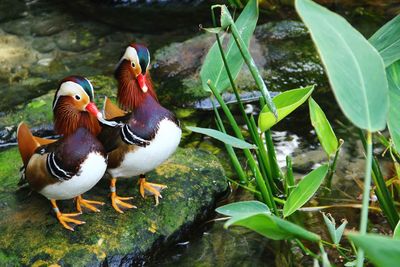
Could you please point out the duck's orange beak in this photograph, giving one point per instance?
(142, 82)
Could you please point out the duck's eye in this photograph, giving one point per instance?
(77, 97)
(133, 65)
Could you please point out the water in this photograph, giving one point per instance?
(42, 41)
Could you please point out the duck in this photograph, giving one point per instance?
(150, 133)
(70, 166)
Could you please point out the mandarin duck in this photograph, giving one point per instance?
(150, 134)
(68, 167)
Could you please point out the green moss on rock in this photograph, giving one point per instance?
(30, 236)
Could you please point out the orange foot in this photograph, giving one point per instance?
(117, 201)
(64, 218)
(89, 204)
(151, 189)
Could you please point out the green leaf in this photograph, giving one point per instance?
(387, 41)
(381, 250)
(213, 67)
(276, 228)
(305, 189)
(396, 232)
(325, 133)
(225, 138)
(285, 103)
(393, 118)
(336, 234)
(256, 216)
(355, 69)
(243, 209)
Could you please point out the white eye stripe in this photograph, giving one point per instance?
(68, 89)
(131, 55)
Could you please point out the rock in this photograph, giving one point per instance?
(75, 41)
(43, 44)
(139, 16)
(12, 9)
(49, 26)
(17, 27)
(30, 236)
(282, 51)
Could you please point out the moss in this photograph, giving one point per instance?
(30, 236)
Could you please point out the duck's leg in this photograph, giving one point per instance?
(150, 188)
(89, 204)
(64, 218)
(117, 201)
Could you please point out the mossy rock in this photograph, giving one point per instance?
(31, 236)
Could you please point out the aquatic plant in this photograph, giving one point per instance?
(365, 78)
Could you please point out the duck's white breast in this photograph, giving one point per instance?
(144, 159)
(91, 171)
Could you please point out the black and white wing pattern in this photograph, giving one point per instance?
(132, 138)
(55, 168)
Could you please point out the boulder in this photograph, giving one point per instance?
(30, 235)
(283, 53)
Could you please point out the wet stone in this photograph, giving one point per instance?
(75, 41)
(18, 27)
(29, 235)
(282, 51)
(44, 44)
(12, 9)
(48, 26)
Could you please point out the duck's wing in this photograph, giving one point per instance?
(111, 111)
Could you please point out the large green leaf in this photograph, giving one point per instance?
(382, 251)
(213, 67)
(257, 217)
(393, 118)
(355, 69)
(305, 189)
(285, 104)
(387, 41)
(223, 137)
(322, 127)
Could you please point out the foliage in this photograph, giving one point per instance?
(355, 70)
(257, 217)
(223, 137)
(386, 40)
(382, 251)
(213, 66)
(322, 127)
(304, 190)
(365, 91)
(285, 104)
(335, 233)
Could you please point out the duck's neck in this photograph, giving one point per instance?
(130, 96)
(68, 119)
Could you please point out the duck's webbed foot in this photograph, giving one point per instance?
(89, 204)
(117, 201)
(65, 218)
(147, 188)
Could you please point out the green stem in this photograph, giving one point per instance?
(381, 191)
(265, 191)
(276, 171)
(233, 157)
(332, 167)
(289, 183)
(365, 200)
(253, 68)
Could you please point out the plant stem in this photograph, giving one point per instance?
(381, 191)
(253, 68)
(365, 201)
(265, 191)
(289, 181)
(332, 167)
